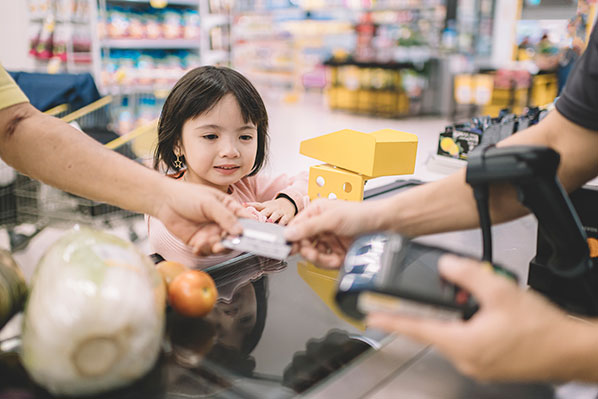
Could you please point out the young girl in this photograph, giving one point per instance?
(213, 130)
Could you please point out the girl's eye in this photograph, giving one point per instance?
(210, 136)
(246, 137)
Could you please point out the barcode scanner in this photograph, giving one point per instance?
(532, 171)
(390, 273)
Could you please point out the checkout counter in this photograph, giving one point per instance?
(272, 336)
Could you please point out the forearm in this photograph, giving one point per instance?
(448, 204)
(445, 205)
(51, 151)
(577, 358)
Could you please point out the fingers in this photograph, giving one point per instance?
(217, 248)
(275, 216)
(476, 277)
(257, 205)
(284, 220)
(220, 213)
(266, 212)
(320, 254)
(244, 213)
(206, 239)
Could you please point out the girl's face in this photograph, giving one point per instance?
(219, 147)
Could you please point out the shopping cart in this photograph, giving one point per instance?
(27, 201)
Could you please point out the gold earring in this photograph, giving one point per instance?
(177, 163)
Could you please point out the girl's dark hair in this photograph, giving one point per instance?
(197, 92)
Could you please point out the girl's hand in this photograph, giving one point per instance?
(279, 211)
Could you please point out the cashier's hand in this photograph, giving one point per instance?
(516, 334)
(199, 215)
(323, 231)
(279, 210)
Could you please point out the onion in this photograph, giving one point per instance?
(94, 320)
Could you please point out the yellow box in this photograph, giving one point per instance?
(323, 283)
(326, 181)
(384, 152)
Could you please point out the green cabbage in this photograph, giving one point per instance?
(94, 319)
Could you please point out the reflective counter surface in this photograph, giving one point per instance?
(269, 336)
(274, 333)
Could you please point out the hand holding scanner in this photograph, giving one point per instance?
(388, 272)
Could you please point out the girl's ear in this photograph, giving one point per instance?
(177, 149)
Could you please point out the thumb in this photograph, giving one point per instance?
(311, 222)
(306, 228)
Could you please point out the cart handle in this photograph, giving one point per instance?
(87, 109)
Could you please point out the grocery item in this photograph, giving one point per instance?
(94, 320)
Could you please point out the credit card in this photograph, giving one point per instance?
(264, 239)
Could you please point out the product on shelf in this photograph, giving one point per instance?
(145, 70)
(151, 23)
(460, 139)
(58, 32)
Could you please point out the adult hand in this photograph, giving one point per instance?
(515, 335)
(279, 210)
(323, 231)
(199, 215)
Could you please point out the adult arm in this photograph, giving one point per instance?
(448, 204)
(52, 151)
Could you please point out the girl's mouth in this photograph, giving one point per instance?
(226, 169)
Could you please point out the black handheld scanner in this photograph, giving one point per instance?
(532, 170)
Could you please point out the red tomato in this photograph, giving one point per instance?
(192, 293)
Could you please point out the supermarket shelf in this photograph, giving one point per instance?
(151, 44)
(189, 3)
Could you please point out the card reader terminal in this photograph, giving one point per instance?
(388, 272)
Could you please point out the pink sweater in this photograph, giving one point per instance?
(249, 189)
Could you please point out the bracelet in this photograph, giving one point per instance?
(283, 195)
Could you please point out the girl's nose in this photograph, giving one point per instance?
(229, 150)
